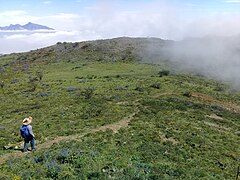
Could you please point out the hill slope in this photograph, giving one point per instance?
(99, 113)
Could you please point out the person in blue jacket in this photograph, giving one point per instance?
(27, 134)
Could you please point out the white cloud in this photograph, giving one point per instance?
(60, 21)
(15, 17)
(161, 19)
(107, 20)
(80, 1)
(232, 1)
(47, 2)
(13, 13)
(15, 37)
(25, 41)
(63, 16)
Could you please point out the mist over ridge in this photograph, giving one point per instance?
(216, 57)
(214, 50)
(213, 56)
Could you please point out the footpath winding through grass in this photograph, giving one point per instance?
(123, 123)
(180, 126)
(164, 143)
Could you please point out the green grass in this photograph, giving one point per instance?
(172, 137)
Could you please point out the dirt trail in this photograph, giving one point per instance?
(115, 127)
(230, 106)
(226, 105)
(120, 124)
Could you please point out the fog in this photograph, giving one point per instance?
(25, 41)
(214, 57)
(206, 40)
(109, 19)
(211, 56)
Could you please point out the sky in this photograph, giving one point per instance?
(79, 20)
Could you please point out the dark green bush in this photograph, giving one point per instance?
(187, 94)
(39, 74)
(155, 85)
(164, 73)
(1, 84)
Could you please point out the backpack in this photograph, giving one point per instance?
(24, 131)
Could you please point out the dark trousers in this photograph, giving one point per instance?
(27, 140)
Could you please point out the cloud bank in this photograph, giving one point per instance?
(108, 19)
(216, 55)
(25, 41)
(212, 56)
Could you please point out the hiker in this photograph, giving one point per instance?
(27, 134)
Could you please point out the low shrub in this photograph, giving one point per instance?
(164, 73)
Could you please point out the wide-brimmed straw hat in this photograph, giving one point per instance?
(27, 121)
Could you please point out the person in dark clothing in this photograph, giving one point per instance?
(29, 137)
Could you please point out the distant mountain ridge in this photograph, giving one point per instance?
(29, 26)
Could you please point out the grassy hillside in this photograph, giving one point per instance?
(100, 114)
